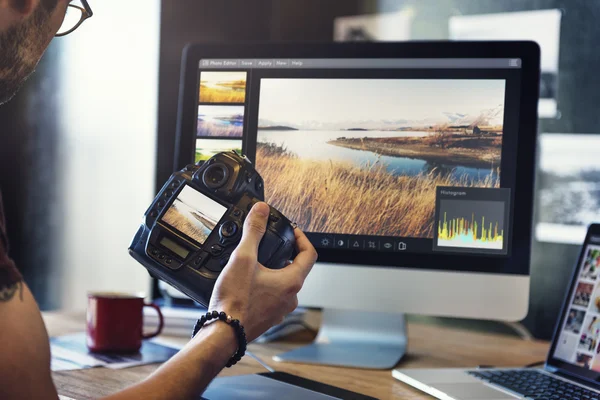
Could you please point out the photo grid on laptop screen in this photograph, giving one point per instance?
(579, 336)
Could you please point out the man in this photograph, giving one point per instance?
(246, 290)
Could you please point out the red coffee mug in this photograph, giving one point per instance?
(115, 322)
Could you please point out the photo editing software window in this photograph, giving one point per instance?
(580, 333)
(387, 155)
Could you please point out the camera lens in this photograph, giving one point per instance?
(228, 229)
(215, 175)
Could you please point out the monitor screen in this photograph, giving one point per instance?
(380, 155)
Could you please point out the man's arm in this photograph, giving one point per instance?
(189, 372)
(248, 291)
(24, 347)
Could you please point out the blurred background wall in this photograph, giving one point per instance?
(81, 143)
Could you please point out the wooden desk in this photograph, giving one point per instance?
(429, 347)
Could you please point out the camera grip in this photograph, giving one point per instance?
(273, 251)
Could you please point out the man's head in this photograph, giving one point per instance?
(26, 29)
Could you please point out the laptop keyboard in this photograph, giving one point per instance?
(535, 385)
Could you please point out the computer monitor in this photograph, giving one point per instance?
(410, 167)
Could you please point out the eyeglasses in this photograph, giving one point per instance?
(74, 17)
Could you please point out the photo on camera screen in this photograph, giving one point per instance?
(194, 214)
(365, 155)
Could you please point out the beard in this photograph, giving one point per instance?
(21, 48)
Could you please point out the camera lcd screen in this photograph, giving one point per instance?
(174, 247)
(193, 214)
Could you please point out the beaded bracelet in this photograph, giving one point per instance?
(239, 332)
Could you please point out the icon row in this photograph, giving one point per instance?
(361, 244)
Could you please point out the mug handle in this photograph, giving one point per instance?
(161, 322)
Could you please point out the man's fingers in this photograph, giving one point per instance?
(255, 227)
(306, 258)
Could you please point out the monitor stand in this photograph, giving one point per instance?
(356, 339)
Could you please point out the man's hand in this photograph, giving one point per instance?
(260, 297)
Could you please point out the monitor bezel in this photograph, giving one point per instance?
(517, 263)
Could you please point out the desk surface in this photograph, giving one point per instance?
(429, 347)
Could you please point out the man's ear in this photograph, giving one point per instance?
(23, 7)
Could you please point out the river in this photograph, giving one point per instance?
(313, 145)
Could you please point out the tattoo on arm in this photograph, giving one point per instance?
(8, 292)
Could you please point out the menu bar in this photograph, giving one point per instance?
(312, 63)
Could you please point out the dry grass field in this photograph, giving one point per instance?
(229, 92)
(326, 196)
(192, 225)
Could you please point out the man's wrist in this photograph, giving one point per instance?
(220, 335)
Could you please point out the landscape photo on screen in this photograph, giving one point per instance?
(220, 121)
(206, 148)
(222, 87)
(366, 155)
(194, 214)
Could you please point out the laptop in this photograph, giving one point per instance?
(572, 368)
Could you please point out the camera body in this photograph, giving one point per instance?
(195, 222)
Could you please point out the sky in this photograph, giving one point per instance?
(200, 202)
(337, 100)
(218, 145)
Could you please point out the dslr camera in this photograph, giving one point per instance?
(195, 222)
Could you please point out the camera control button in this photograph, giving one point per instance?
(161, 256)
(154, 252)
(199, 260)
(228, 229)
(237, 213)
(169, 193)
(168, 261)
(161, 204)
(215, 249)
(153, 213)
(273, 218)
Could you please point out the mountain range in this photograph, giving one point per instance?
(487, 117)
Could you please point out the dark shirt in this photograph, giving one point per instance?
(9, 275)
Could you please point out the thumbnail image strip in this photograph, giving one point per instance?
(366, 155)
(206, 148)
(222, 87)
(220, 121)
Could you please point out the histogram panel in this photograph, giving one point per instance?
(471, 224)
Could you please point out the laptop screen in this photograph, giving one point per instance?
(577, 339)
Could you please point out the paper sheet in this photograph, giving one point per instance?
(541, 26)
(375, 27)
(568, 197)
(70, 352)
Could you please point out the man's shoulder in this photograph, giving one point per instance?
(9, 275)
